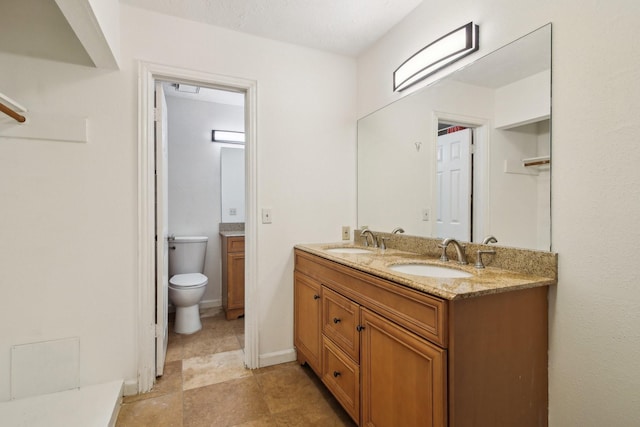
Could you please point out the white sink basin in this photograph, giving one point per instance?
(427, 270)
(348, 251)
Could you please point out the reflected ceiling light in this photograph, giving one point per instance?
(181, 87)
(229, 136)
(442, 52)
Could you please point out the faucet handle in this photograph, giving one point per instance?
(383, 243)
(479, 263)
(443, 257)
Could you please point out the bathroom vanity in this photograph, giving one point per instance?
(403, 350)
(232, 274)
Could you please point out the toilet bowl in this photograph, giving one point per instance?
(187, 284)
(185, 293)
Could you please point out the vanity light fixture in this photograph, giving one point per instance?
(437, 55)
(229, 136)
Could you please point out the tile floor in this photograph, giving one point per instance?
(205, 384)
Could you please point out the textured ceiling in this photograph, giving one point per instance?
(341, 26)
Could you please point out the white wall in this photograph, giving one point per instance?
(594, 369)
(68, 220)
(69, 211)
(194, 177)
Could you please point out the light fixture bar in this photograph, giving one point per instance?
(230, 136)
(435, 56)
(184, 88)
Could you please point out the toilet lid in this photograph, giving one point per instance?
(188, 280)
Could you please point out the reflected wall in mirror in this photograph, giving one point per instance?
(471, 180)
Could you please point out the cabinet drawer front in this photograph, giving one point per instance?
(342, 376)
(340, 318)
(235, 244)
(419, 312)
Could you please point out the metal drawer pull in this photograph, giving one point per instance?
(336, 374)
(316, 296)
(336, 320)
(359, 328)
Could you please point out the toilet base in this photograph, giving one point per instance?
(187, 320)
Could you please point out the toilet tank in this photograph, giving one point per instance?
(188, 255)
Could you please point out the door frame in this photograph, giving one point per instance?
(148, 73)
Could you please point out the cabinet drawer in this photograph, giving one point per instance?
(341, 375)
(340, 318)
(235, 244)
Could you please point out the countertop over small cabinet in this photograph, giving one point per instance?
(232, 273)
(472, 352)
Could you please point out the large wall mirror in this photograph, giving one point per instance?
(467, 156)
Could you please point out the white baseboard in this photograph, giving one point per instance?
(130, 388)
(276, 358)
(210, 303)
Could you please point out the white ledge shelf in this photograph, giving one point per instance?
(536, 161)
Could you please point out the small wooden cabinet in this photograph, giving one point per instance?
(233, 276)
(393, 356)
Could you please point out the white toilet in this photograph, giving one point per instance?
(186, 281)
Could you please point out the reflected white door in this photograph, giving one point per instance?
(453, 181)
(162, 226)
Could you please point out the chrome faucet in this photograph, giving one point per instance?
(462, 257)
(397, 230)
(489, 239)
(365, 233)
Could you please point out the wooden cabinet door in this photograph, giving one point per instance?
(403, 376)
(235, 269)
(306, 325)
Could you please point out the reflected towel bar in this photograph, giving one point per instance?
(536, 161)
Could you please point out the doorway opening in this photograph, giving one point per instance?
(460, 191)
(200, 197)
(152, 311)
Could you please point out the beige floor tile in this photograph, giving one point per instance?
(288, 387)
(231, 403)
(213, 369)
(312, 414)
(174, 347)
(162, 411)
(169, 382)
(205, 383)
(267, 421)
(208, 342)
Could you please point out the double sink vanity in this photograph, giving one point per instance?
(401, 338)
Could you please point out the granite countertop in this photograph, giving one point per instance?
(489, 280)
(232, 233)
